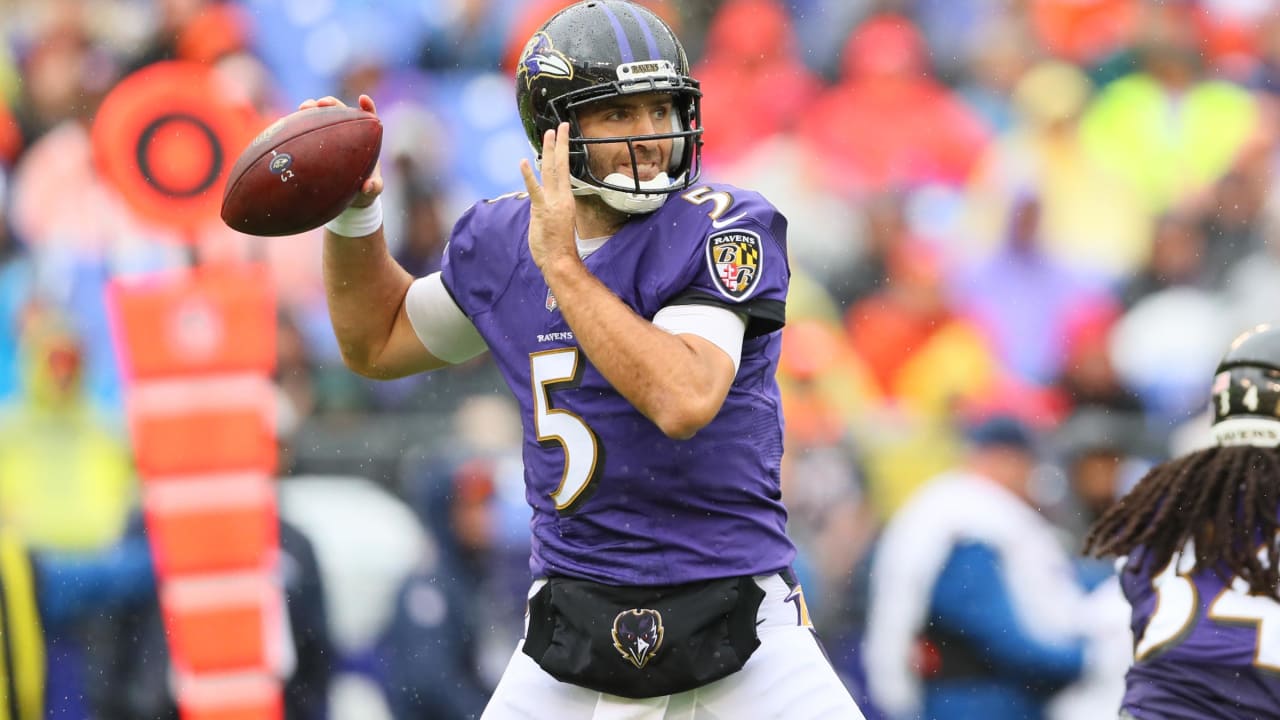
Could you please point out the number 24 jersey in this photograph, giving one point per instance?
(1203, 646)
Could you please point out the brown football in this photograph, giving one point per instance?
(302, 171)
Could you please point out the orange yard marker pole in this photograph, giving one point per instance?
(196, 349)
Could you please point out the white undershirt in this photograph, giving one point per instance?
(589, 245)
(448, 333)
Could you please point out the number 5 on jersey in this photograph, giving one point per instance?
(553, 370)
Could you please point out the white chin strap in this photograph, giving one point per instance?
(627, 202)
(1257, 431)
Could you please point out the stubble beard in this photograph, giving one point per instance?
(593, 209)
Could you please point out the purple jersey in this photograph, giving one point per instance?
(1204, 647)
(615, 500)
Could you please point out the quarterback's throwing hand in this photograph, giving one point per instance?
(551, 201)
(373, 185)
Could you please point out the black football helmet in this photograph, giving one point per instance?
(599, 49)
(1246, 390)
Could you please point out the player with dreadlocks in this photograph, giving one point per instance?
(1200, 538)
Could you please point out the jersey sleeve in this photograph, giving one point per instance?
(478, 263)
(444, 330)
(720, 327)
(742, 265)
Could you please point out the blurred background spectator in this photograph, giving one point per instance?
(460, 612)
(1169, 127)
(975, 608)
(1055, 210)
(125, 645)
(751, 55)
(66, 476)
(888, 122)
(1090, 219)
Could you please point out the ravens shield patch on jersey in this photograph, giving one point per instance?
(735, 258)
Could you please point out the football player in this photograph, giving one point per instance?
(635, 313)
(1199, 540)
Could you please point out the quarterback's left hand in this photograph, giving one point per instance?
(551, 201)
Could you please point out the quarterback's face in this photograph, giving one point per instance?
(647, 114)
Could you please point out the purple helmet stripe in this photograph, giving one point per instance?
(648, 34)
(624, 45)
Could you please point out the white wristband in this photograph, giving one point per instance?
(357, 222)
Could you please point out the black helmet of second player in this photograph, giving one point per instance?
(600, 49)
(1246, 390)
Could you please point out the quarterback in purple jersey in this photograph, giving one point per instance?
(634, 311)
(1200, 538)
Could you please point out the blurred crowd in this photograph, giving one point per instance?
(1051, 215)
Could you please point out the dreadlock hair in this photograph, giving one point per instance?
(1225, 498)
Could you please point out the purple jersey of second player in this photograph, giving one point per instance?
(615, 500)
(1204, 647)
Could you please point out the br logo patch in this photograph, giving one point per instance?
(637, 634)
(735, 259)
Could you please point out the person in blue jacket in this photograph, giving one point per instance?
(975, 611)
